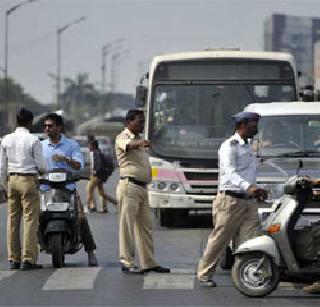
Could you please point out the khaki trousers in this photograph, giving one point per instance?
(135, 225)
(23, 200)
(233, 217)
(94, 183)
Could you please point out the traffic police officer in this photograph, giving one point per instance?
(135, 222)
(21, 160)
(235, 209)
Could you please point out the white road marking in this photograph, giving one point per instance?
(290, 286)
(72, 279)
(182, 271)
(178, 279)
(5, 274)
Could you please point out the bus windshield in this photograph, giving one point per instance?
(192, 120)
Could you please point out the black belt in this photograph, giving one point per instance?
(135, 181)
(22, 174)
(237, 195)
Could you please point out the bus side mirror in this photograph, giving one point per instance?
(308, 93)
(141, 95)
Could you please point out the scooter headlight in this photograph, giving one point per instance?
(46, 198)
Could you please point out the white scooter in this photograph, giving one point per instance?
(290, 247)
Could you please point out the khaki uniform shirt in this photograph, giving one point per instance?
(133, 162)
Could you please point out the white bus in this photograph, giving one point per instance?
(190, 101)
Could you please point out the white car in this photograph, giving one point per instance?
(287, 144)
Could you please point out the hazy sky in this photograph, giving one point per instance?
(148, 27)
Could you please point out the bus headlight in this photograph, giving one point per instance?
(174, 187)
(162, 186)
(275, 190)
(166, 186)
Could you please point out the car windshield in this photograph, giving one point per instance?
(191, 121)
(289, 135)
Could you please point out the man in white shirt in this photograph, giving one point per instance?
(235, 210)
(21, 160)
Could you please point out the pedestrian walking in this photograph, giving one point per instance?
(21, 160)
(100, 170)
(64, 153)
(135, 221)
(235, 211)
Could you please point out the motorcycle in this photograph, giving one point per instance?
(289, 249)
(59, 227)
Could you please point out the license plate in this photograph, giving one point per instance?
(57, 206)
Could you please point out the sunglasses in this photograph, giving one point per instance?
(47, 126)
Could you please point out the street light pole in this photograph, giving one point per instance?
(105, 51)
(58, 68)
(115, 61)
(6, 48)
(59, 32)
(6, 85)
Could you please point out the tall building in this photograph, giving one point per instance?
(301, 37)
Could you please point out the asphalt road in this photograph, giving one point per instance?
(77, 284)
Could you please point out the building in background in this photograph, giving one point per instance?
(301, 37)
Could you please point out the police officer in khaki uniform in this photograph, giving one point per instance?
(21, 159)
(235, 210)
(135, 221)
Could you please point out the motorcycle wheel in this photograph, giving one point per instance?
(252, 278)
(57, 249)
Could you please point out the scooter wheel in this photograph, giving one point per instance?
(255, 274)
(57, 247)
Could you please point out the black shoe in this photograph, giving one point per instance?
(92, 259)
(157, 269)
(14, 265)
(92, 209)
(208, 283)
(131, 270)
(26, 265)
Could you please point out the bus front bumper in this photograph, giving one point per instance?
(180, 201)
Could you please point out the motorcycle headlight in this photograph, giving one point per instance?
(275, 190)
(166, 186)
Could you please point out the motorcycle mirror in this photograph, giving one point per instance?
(300, 165)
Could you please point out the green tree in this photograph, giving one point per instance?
(16, 98)
(80, 97)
